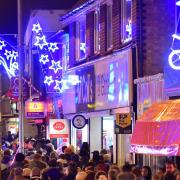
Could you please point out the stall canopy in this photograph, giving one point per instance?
(158, 130)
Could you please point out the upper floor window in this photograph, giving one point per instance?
(109, 26)
(81, 39)
(126, 21)
(96, 32)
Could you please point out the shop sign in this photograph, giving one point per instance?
(85, 90)
(35, 109)
(113, 81)
(49, 105)
(59, 128)
(79, 121)
(123, 123)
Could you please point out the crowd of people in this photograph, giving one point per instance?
(41, 161)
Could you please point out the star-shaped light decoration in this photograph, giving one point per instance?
(53, 47)
(41, 42)
(55, 66)
(2, 44)
(58, 86)
(44, 59)
(8, 54)
(14, 55)
(36, 28)
(48, 80)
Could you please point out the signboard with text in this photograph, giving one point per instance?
(123, 123)
(35, 109)
(59, 128)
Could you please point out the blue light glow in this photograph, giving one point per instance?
(55, 66)
(2, 44)
(41, 42)
(48, 80)
(36, 28)
(53, 47)
(111, 83)
(8, 59)
(178, 3)
(44, 59)
(83, 47)
(174, 59)
(129, 30)
(58, 86)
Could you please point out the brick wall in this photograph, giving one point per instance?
(72, 43)
(90, 34)
(156, 27)
(116, 23)
(103, 24)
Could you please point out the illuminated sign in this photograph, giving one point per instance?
(59, 128)
(35, 109)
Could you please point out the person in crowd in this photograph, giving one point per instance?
(112, 174)
(10, 137)
(36, 174)
(178, 176)
(126, 167)
(5, 166)
(37, 162)
(146, 173)
(84, 154)
(125, 176)
(81, 175)
(137, 172)
(100, 175)
(96, 158)
(19, 161)
(18, 174)
(71, 172)
(54, 171)
(26, 173)
(90, 175)
(170, 169)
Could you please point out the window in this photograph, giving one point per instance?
(126, 21)
(80, 39)
(96, 32)
(109, 27)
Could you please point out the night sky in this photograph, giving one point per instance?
(8, 11)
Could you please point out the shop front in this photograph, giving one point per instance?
(105, 89)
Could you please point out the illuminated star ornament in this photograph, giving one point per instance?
(41, 42)
(36, 28)
(48, 80)
(53, 47)
(44, 59)
(58, 85)
(8, 58)
(50, 60)
(55, 66)
(2, 44)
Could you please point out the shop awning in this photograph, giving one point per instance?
(158, 130)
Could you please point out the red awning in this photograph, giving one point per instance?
(158, 130)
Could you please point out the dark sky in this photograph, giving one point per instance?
(8, 11)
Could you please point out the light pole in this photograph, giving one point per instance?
(21, 69)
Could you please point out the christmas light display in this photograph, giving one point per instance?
(174, 56)
(50, 60)
(8, 58)
(55, 66)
